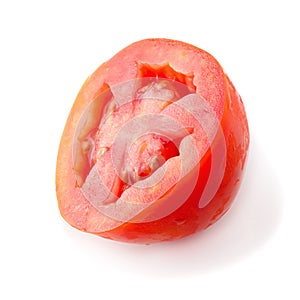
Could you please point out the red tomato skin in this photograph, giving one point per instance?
(188, 218)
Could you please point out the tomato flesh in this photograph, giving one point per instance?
(135, 206)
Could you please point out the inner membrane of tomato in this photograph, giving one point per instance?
(115, 107)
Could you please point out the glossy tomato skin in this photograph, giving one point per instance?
(211, 83)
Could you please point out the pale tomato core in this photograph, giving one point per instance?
(146, 153)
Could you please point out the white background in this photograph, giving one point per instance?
(48, 48)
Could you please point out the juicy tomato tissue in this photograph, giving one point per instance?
(154, 146)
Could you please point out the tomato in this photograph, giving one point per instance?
(154, 147)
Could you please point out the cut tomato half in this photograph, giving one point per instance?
(154, 146)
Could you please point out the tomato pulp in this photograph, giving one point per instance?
(154, 146)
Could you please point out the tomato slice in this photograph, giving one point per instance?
(154, 146)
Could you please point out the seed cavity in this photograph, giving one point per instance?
(160, 83)
(156, 162)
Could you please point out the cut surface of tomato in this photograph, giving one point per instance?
(154, 147)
